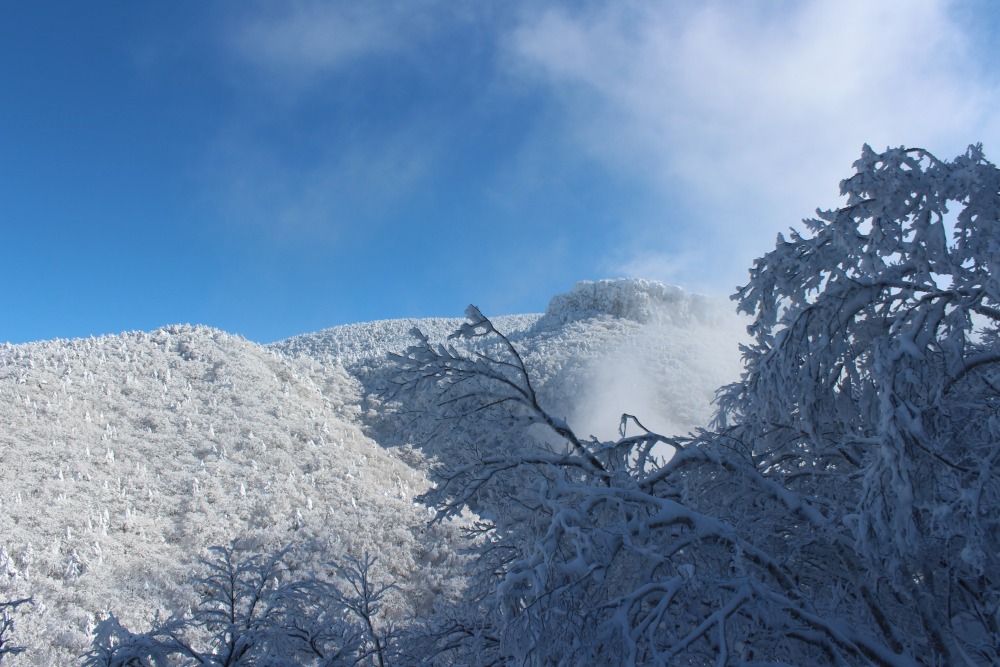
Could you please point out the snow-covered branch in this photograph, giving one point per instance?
(843, 511)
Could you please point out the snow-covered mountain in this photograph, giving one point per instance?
(122, 458)
(604, 348)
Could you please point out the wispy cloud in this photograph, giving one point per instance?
(317, 147)
(729, 122)
(298, 41)
(295, 44)
(747, 115)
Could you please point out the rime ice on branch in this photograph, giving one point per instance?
(844, 510)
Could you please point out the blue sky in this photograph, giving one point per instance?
(274, 168)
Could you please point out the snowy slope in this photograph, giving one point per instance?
(604, 348)
(123, 457)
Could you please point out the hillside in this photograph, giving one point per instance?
(602, 349)
(122, 458)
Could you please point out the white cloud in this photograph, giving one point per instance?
(294, 44)
(303, 39)
(740, 118)
(749, 114)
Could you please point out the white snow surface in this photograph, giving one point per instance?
(122, 458)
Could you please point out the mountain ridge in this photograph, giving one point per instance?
(126, 456)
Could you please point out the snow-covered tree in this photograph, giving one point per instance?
(871, 395)
(256, 610)
(211, 437)
(8, 608)
(844, 510)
